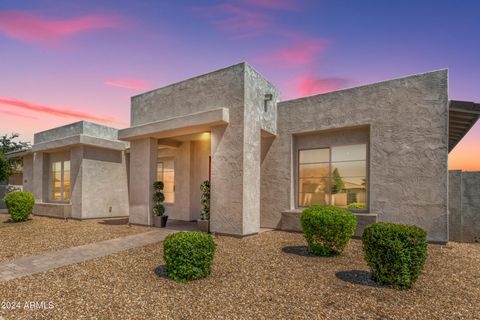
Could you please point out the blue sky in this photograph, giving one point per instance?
(65, 60)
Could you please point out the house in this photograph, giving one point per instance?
(379, 150)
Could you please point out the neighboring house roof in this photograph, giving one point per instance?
(462, 116)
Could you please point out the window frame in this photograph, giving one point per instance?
(62, 199)
(329, 193)
(162, 160)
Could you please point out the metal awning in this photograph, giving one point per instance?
(462, 116)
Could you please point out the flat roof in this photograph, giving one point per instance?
(462, 116)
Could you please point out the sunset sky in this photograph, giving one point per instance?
(62, 61)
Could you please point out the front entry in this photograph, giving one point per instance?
(183, 163)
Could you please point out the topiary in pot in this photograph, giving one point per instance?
(159, 219)
(327, 229)
(204, 221)
(19, 205)
(188, 255)
(395, 253)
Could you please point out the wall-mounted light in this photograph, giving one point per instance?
(268, 97)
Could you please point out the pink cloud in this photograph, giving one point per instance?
(127, 84)
(308, 85)
(298, 53)
(16, 114)
(64, 113)
(32, 28)
(271, 4)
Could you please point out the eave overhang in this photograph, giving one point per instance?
(462, 116)
(177, 126)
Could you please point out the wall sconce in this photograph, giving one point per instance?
(268, 97)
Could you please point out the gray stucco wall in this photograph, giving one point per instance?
(257, 119)
(76, 128)
(235, 148)
(143, 167)
(408, 154)
(464, 206)
(27, 171)
(98, 182)
(104, 183)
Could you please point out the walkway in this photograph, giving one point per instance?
(55, 259)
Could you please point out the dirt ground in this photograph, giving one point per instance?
(41, 234)
(268, 276)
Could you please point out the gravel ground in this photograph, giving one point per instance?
(262, 277)
(40, 234)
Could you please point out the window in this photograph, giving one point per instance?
(60, 175)
(333, 176)
(166, 173)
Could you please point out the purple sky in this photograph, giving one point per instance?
(62, 61)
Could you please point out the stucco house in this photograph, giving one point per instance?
(379, 150)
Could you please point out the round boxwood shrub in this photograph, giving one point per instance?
(395, 253)
(19, 205)
(327, 229)
(188, 255)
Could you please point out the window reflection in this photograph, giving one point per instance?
(166, 173)
(340, 182)
(60, 177)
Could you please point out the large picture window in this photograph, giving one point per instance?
(166, 173)
(333, 176)
(60, 183)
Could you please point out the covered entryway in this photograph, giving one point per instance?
(183, 163)
(176, 151)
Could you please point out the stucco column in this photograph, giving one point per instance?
(235, 180)
(76, 181)
(38, 174)
(143, 167)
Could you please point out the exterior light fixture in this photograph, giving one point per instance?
(268, 97)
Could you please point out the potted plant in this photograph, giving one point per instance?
(159, 219)
(204, 221)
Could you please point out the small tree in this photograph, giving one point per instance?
(205, 200)
(158, 198)
(7, 144)
(337, 182)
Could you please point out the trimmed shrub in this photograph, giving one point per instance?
(327, 229)
(158, 198)
(19, 205)
(395, 253)
(205, 200)
(188, 255)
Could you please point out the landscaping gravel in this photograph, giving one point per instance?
(268, 276)
(40, 234)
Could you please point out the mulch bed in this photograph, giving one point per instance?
(41, 234)
(268, 276)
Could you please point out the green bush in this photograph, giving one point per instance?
(395, 253)
(327, 229)
(188, 255)
(357, 205)
(19, 205)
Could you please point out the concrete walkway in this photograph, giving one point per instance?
(55, 259)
